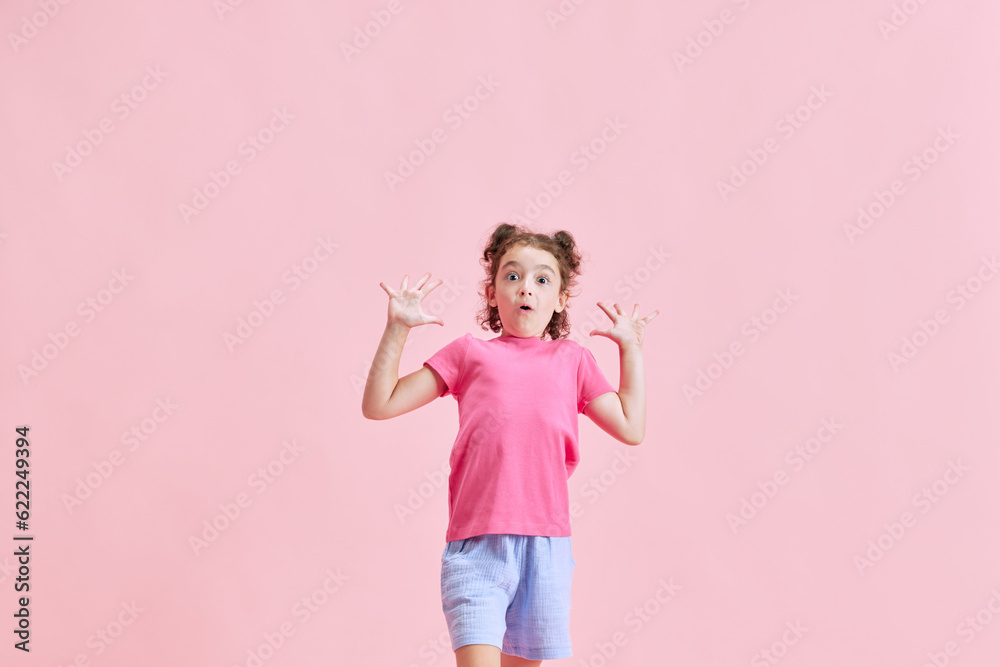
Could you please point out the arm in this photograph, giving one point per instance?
(622, 415)
(386, 394)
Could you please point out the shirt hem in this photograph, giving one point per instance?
(539, 530)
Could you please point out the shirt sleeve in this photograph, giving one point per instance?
(590, 380)
(449, 362)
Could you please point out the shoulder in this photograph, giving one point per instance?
(569, 349)
(456, 347)
(462, 341)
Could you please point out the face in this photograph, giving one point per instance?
(527, 276)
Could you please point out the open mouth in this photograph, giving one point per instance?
(526, 308)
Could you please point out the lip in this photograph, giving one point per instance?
(522, 310)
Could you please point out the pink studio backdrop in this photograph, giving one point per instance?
(201, 198)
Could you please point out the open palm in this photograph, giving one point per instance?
(626, 329)
(404, 303)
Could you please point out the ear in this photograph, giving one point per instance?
(490, 295)
(563, 298)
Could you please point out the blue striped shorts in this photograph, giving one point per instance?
(510, 591)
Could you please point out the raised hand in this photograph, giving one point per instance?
(626, 329)
(404, 304)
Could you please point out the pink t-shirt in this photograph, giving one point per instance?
(518, 406)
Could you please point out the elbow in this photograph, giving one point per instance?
(368, 413)
(635, 440)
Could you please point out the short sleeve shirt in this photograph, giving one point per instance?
(517, 442)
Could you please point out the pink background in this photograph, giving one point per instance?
(672, 132)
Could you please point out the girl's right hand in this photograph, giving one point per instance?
(404, 304)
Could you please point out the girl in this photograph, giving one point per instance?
(508, 564)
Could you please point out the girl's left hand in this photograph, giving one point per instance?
(627, 329)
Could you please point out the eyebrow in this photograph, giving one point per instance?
(513, 263)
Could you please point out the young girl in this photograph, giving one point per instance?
(508, 564)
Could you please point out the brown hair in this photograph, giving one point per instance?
(562, 246)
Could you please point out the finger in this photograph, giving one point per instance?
(431, 287)
(606, 310)
(405, 278)
(387, 290)
(635, 311)
(422, 280)
(653, 314)
(618, 308)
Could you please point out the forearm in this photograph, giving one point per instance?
(632, 390)
(384, 372)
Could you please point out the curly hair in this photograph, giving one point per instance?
(562, 246)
